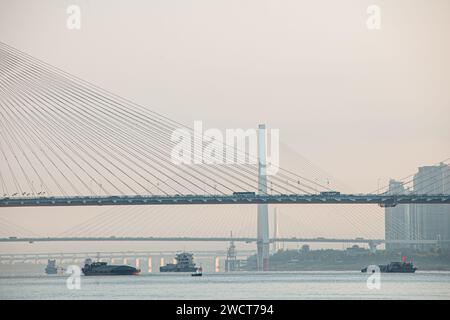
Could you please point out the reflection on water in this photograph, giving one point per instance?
(271, 285)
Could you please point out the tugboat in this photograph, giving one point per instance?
(184, 263)
(395, 267)
(198, 273)
(51, 267)
(103, 269)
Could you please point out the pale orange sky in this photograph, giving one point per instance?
(363, 105)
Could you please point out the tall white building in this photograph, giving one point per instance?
(397, 219)
(431, 222)
(420, 221)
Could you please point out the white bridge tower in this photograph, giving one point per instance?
(263, 216)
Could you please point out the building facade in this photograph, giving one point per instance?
(397, 219)
(420, 221)
(432, 222)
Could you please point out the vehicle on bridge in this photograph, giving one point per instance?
(245, 193)
(330, 193)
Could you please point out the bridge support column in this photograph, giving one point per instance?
(262, 242)
(275, 231)
(138, 263)
(373, 246)
(217, 264)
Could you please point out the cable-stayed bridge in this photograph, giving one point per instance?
(66, 142)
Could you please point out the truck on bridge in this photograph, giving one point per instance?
(330, 193)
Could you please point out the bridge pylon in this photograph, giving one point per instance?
(262, 242)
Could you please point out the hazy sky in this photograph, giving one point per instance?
(361, 104)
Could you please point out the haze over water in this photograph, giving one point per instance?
(247, 285)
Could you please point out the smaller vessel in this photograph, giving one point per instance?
(184, 263)
(51, 267)
(198, 272)
(395, 267)
(99, 268)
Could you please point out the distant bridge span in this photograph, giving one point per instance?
(382, 200)
(215, 239)
(81, 256)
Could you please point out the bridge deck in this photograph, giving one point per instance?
(383, 200)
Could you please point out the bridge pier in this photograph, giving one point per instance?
(149, 264)
(138, 263)
(217, 264)
(372, 246)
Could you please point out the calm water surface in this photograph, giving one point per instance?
(271, 285)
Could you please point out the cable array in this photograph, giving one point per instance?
(61, 135)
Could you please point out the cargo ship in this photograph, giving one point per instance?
(51, 267)
(395, 267)
(184, 263)
(103, 269)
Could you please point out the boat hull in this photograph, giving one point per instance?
(51, 271)
(395, 267)
(111, 271)
(389, 271)
(169, 269)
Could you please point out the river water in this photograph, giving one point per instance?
(243, 285)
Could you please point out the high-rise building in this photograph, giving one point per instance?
(420, 221)
(432, 221)
(397, 219)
